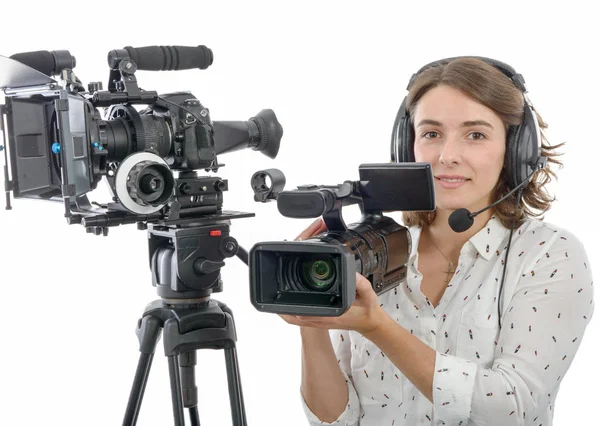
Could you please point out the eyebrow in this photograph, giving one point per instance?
(464, 124)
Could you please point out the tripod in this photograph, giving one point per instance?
(188, 318)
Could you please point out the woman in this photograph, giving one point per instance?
(444, 348)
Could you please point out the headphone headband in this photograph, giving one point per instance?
(506, 69)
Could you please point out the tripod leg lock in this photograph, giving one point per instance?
(208, 338)
(148, 333)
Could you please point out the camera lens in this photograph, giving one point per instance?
(318, 274)
(321, 270)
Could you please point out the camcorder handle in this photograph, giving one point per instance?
(308, 201)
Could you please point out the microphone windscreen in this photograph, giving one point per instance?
(460, 220)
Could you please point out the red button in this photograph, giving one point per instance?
(215, 233)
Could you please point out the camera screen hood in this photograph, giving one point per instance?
(15, 74)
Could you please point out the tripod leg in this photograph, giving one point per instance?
(236, 399)
(176, 396)
(148, 333)
(195, 419)
(187, 364)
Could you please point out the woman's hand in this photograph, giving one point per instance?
(315, 228)
(363, 316)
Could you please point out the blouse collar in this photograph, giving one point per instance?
(486, 242)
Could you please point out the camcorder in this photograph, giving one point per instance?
(316, 277)
(149, 148)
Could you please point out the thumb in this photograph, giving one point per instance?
(363, 285)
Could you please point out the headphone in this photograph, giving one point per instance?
(523, 142)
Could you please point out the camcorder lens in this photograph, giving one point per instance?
(318, 274)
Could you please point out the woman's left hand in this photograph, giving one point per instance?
(363, 316)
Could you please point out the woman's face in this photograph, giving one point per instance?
(465, 143)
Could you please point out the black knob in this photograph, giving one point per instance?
(185, 188)
(228, 247)
(220, 185)
(205, 266)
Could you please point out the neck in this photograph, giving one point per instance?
(449, 241)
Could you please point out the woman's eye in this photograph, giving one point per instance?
(477, 136)
(430, 135)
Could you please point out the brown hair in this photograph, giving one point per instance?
(490, 87)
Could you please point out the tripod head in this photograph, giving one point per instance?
(186, 260)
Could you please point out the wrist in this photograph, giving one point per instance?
(313, 332)
(377, 323)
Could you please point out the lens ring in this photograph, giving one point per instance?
(121, 187)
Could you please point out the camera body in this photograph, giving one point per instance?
(60, 146)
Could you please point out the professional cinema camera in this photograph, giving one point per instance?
(60, 147)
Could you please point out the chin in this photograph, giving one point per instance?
(452, 205)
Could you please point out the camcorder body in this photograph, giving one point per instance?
(317, 276)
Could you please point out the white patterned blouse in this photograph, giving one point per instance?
(483, 375)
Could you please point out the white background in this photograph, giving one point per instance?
(335, 74)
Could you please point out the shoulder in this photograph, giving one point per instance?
(548, 251)
(541, 237)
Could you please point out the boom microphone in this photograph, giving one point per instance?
(462, 219)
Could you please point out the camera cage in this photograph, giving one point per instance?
(82, 163)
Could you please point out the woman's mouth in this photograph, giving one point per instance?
(452, 182)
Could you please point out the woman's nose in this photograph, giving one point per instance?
(451, 150)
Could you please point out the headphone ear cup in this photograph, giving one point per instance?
(396, 143)
(523, 150)
(512, 147)
(402, 137)
(530, 148)
(408, 141)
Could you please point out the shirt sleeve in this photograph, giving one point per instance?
(541, 331)
(343, 350)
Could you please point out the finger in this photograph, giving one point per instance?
(314, 228)
(322, 228)
(363, 285)
(302, 321)
(290, 319)
(314, 323)
(310, 231)
(320, 322)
